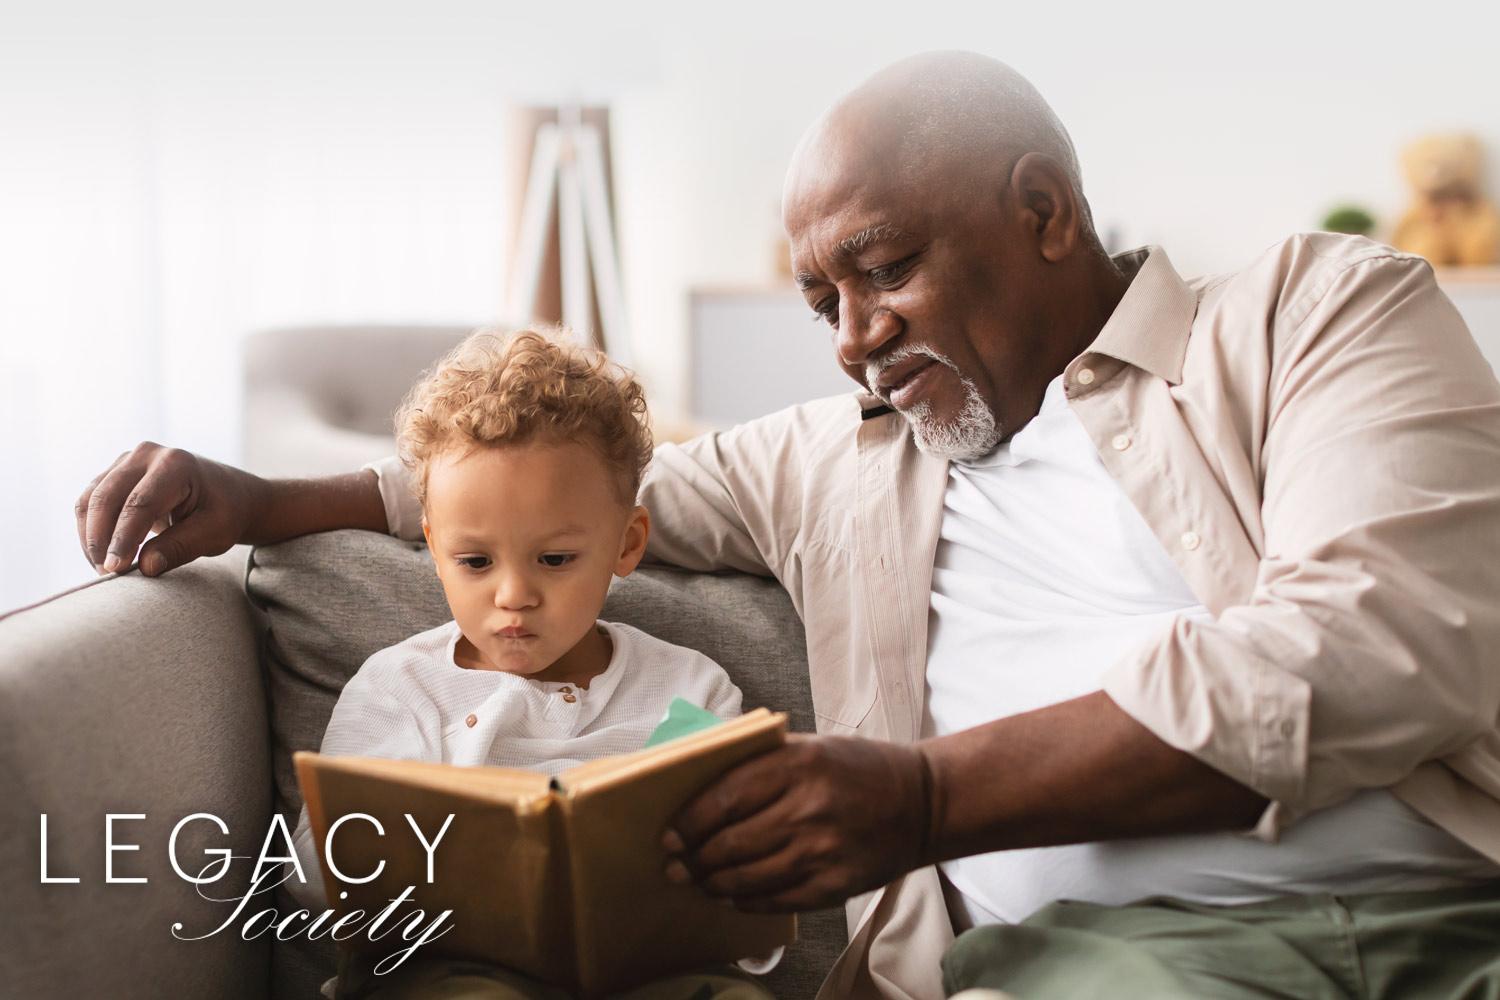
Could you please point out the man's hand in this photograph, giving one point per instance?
(201, 508)
(826, 818)
(807, 825)
(197, 506)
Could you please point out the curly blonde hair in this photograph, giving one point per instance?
(498, 389)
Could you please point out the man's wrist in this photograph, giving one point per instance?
(932, 797)
(258, 503)
(279, 509)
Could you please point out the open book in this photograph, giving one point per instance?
(559, 879)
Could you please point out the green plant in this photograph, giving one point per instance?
(1349, 219)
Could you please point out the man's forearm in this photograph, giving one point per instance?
(292, 507)
(1079, 771)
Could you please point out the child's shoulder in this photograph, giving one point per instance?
(634, 638)
(401, 662)
(645, 651)
(657, 670)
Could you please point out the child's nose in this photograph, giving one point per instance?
(515, 593)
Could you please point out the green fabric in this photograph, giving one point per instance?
(1382, 946)
(683, 718)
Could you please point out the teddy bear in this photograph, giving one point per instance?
(1450, 221)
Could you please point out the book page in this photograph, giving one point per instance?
(496, 784)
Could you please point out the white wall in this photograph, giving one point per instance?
(177, 175)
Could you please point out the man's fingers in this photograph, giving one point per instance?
(81, 513)
(103, 509)
(765, 876)
(741, 791)
(181, 543)
(153, 497)
(759, 836)
(822, 890)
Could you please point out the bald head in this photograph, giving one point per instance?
(937, 225)
(941, 119)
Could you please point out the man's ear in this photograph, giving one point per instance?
(633, 542)
(1048, 204)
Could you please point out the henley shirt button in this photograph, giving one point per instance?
(1085, 376)
(1121, 442)
(472, 720)
(1190, 540)
(570, 698)
(1288, 727)
(566, 689)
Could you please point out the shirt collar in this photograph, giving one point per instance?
(1149, 328)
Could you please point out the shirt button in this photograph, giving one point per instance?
(1190, 540)
(472, 720)
(566, 689)
(1288, 727)
(1121, 442)
(570, 698)
(1085, 376)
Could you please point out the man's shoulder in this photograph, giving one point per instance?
(815, 422)
(796, 441)
(1292, 275)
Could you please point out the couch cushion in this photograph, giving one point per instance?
(333, 599)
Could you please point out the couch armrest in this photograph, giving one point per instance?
(132, 695)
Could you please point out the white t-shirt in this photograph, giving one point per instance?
(1045, 575)
(412, 701)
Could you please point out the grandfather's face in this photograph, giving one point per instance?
(928, 309)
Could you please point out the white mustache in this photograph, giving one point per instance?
(875, 369)
(972, 433)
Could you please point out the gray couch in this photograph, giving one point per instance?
(188, 694)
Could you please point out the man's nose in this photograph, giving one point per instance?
(861, 336)
(515, 592)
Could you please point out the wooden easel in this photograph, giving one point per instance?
(567, 159)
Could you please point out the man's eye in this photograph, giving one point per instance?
(827, 312)
(890, 272)
(556, 560)
(474, 562)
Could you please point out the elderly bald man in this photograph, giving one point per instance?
(1152, 622)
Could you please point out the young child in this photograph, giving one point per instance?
(528, 454)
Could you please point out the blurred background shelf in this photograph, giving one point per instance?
(753, 350)
(1476, 293)
(1450, 277)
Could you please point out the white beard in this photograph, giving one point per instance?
(973, 433)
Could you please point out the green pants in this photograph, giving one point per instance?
(439, 978)
(1383, 946)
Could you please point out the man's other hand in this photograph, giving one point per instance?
(807, 825)
(197, 506)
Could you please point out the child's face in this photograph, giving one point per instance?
(526, 539)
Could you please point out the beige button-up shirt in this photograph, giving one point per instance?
(1316, 442)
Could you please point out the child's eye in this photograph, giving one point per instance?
(474, 562)
(556, 560)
